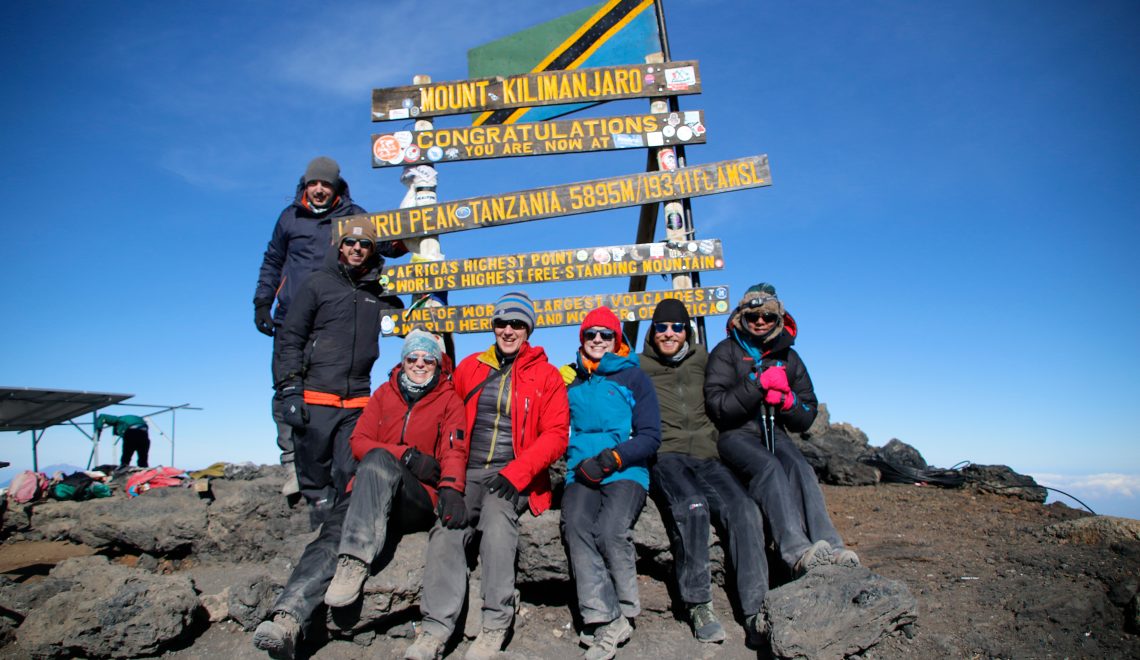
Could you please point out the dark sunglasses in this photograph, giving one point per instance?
(515, 324)
(412, 359)
(754, 317)
(365, 244)
(606, 335)
(660, 328)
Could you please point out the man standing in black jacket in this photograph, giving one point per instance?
(297, 247)
(329, 343)
(758, 390)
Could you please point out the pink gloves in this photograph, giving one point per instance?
(777, 392)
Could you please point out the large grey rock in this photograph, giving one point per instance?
(834, 612)
(1002, 480)
(108, 611)
(161, 521)
(897, 452)
(835, 454)
(249, 601)
(249, 519)
(1097, 530)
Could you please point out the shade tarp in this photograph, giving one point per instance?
(27, 409)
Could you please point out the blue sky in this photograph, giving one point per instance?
(951, 219)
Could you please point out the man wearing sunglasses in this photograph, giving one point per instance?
(757, 391)
(692, 488)
(328, 345)
(517, 426)
(297, 248)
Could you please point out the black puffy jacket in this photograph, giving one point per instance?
(298, 245)
(733, 398)
(331, 337)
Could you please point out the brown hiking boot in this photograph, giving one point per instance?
(426, 647)
(347, 582)
(278, 637)
(819, 554)
(487, 645)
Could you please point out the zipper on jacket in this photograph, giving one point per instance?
(498, 416)
(522, 431)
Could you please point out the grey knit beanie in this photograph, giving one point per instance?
(515, 306)
(323, 168)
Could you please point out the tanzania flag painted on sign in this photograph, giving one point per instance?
(614, 32)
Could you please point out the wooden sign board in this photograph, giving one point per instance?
(571, 310)
(592, 85)
(555, 266)
(569, 199)
(537, 138)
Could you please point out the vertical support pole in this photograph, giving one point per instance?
(173, 415)
(94, 458)
(426, 248)
(35, 454)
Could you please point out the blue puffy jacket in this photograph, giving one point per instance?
(613, 407)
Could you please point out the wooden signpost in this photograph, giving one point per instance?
(554, 266)
(608, 83)
(569, 199)
(537, 139)
(570, 310)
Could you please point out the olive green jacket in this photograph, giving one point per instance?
(685, 426)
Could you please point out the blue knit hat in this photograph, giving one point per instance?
(421, 340)
(515, 306)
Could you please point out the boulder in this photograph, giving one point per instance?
(897, 452)
(1097, 530)
(1000, 479)
(250, 520)
(108, 611)
(162, 521)
(834, 612)
(835, 454)
(249, 601)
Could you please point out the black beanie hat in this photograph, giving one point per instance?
(671, 309)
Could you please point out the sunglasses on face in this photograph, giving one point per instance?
(416, 357)
(660, 328)
(365, 244)
(514, 324)
(754, 317)
(606, 335)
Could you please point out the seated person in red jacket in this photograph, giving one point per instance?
(413, 462)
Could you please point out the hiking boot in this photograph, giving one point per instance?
(755, 630)
(426, 647)
(706, 628)
(819, 554)
(278, 637)
(845, 557)
(608, 638)
(487, 645)
(347, 582)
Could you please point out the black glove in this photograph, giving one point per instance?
(296, 413)
(425, 467)
(501, 486)
(263, 319)
(592, 471)
(451, 510)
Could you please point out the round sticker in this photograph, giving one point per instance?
(602, 256)
(414, 111)
(698, 128)
(691, 247)
(668, 131)
(403, 137)
(463, 212)
(435, 153)
(684, 134)
(581, 255)
(721, 306)
(649, 79)
(720, 292)
(387, 324)
(386, 148)
(407, 103)
(705, 246)
(411, 154)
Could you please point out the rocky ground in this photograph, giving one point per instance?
(993, 576)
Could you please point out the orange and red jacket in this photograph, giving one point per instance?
(431, 425)
(540, 416)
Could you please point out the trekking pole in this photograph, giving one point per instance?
(771, 431)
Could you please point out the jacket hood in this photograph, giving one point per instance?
(780, 342)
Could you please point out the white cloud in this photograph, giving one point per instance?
(1103, 485)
